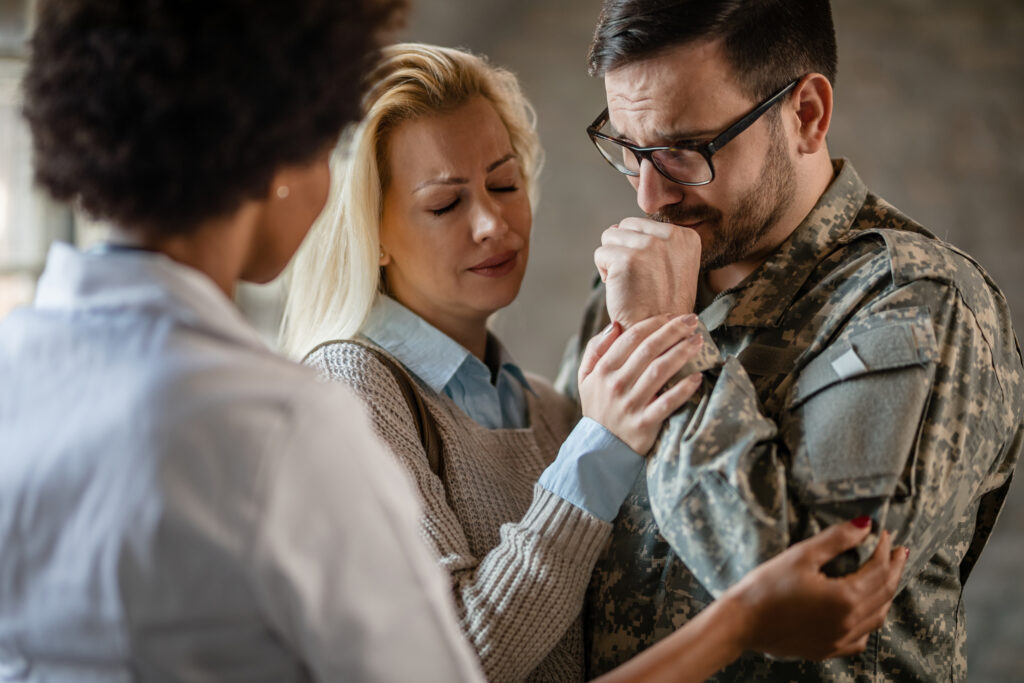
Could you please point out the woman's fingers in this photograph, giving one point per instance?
(867, 587)
(643, 342)
(875, 605)
(865, 627)
(656, 344)
(813, 616)
(623, 377)
(658, 372)
(898, 559)
(875, 583)
(873, 573)
(853, 648)
(597, 347)
(668, 403)
(873, 588)
(836, 539)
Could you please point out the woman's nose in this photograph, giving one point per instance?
(488, 220)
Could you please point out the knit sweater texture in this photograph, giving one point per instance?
(519, 557)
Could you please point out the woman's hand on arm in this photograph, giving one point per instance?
(786, 607)
(623, 374)
(795, 610)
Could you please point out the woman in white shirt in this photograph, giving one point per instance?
(178, 502)
(428, 235)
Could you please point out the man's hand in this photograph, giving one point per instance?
(649, 268)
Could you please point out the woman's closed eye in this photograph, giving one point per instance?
(446, 208)
(502, 188)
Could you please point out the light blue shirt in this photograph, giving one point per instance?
(179, 503)
(594, 470)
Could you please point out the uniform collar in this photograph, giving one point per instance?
(116, 279)
(763, 297)
(426, 351)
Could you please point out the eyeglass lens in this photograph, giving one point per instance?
(686, 165)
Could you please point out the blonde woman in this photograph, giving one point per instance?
(426, 237)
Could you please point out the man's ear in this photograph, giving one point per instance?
(812, 105)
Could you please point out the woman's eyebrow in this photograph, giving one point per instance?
(443, 180)
(451, 180)
(499, 162)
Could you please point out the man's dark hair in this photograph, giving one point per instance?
(159, 114)
(767, 42)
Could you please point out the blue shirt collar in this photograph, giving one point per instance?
(426, 351)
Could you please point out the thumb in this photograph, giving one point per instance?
(596, 349)
(836, 539)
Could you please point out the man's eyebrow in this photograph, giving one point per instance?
(670, 137)
(687, 135)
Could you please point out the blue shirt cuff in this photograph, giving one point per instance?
(594, 470)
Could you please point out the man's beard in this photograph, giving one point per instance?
(756, 213)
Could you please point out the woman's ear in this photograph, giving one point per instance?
(813, 108)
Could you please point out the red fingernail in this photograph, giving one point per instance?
(906, 552)
(862, 522)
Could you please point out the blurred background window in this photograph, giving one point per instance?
(29, 221)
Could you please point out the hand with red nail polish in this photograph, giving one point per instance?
(786, 607)
(796, 610)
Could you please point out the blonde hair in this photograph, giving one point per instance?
(335, 277)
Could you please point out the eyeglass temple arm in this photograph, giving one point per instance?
(601, 119)
(744, 123)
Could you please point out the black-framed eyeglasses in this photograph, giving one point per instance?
(686, 163)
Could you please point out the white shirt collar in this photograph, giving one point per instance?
(132, 278)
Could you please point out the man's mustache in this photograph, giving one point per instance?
(686, 216)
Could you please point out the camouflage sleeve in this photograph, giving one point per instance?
(903, 416)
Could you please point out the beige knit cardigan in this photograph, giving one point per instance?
(519, 557)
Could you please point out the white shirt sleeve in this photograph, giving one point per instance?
(339, 565)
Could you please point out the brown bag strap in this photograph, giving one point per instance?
(426, 425)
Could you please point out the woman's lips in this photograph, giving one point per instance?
(497, 265)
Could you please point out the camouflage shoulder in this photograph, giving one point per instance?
(916, 254)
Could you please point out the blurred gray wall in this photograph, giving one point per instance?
(928, 107)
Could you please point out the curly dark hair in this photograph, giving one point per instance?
(159, 114)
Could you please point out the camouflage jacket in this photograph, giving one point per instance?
(866, 368)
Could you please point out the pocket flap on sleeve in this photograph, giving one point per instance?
(889, 346)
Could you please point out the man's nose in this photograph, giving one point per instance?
(654, 191)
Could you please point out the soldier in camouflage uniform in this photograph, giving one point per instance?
(853, 364)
